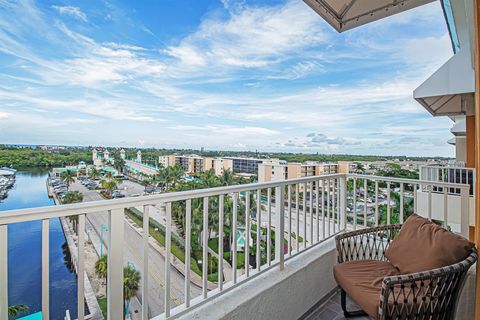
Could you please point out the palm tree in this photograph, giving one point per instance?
(119, 164)
(176, 173)
(68, 177)
(109, 175)
(94, 173)
(131, 283)
(145, 183)
(227, 177)
(17, 310)
(101, 267)
(109, 185)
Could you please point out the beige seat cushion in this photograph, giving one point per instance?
(362, 280)
(422, 245)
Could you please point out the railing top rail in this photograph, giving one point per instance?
(411, 181)
(440, 166)
(39, 213)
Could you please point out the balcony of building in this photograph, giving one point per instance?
(274, 277)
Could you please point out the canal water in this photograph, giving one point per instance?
(24, 251)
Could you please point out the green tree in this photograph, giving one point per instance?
(101, 266)
(68, 177)
(131, 283)
(72, 197)
(17, 310)
(109, 185)
(94, 173)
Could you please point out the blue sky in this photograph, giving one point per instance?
(219, 74)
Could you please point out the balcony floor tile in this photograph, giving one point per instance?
(332, 310)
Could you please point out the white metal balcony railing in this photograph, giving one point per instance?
(313, 208)
(456, 173)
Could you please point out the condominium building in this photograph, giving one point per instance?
(166, 161)
(220, 165)
(193, 163)
(249, 165)
(270, 171)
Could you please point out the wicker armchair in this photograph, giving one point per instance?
(431, 294)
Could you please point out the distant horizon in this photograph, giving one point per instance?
(221, 150)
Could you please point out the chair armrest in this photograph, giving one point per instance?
(432, 292)
(365, 244)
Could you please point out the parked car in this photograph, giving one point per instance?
(117, 194)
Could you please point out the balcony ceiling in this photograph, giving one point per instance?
(348, 14)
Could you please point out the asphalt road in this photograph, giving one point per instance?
(133, 255)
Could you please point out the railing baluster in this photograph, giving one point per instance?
(323, 209)
(234, 231)
(188, 243)
(81, 268)
(333, 205)
(415, 188)
(259, 230)
(354, 203)
(269, 227)
(388, 202)
(304, 207)
(464, 214)
(280, 226)
(168, 240)
(339, 205)
(401, 203)
(45, 269)
(205, 248)
(289, 202)
(445, 208)
(311, 212)
(329, 208)
(4, 271)
(365, 195)
(429, 202)
(247, 234)
(297, 212)
(145, 236)
(317, 210)
(343, 202)
(115, 264)
(376, 203)
(220, 241)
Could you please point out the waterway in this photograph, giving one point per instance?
(24, 251)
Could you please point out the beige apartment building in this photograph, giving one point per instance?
(271, 171)
(193, 164)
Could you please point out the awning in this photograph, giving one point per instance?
(449, 91)
(347, 14)
(452, 141)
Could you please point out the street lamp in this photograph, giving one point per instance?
(102, 228)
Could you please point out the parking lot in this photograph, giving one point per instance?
(90, 188)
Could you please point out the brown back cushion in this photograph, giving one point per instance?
(422, 245)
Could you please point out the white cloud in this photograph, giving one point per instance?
(252, 37)
(74, 12)
(4, 115)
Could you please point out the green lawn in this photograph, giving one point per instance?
(177, 251)
(102, 302)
